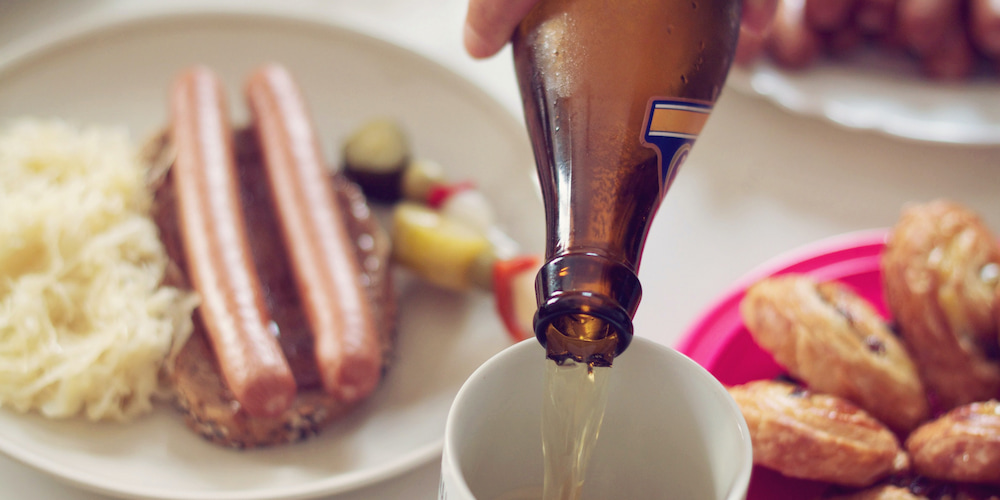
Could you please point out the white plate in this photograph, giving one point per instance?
(118, 74)
(882, 94)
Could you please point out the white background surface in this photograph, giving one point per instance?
(759, 182)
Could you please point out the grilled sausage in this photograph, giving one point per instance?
(875, 17)
(984, 23)
(750, 46)
(925, 24)
(843, 41)
(829, 15)
(954, 59)
(325, 266)
(792, 43)
(217, 251)
(757, 15)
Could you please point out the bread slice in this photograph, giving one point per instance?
(198, 389)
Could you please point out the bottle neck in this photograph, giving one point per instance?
(586, 304)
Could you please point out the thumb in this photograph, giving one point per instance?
(489, 24)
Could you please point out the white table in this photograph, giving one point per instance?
(760, 182)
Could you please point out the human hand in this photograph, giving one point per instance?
(489, 24)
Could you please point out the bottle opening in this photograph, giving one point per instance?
(582, 338)
(586, 308)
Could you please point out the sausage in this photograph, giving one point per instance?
(953, 60)
(757, 16)
(924, 24)
(984, 23)
(792, 43)
(217, 251)
(875, 17)
(843, 41)
(750, 46)
(829, 15)
(892, 42)
(324, 264)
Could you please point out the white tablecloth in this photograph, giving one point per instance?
(760, 182)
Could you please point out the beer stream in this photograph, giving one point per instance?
(579, 349)
(575, 399)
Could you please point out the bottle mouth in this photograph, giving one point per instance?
(587, 298)
(595, 331)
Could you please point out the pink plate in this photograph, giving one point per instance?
(719, 342)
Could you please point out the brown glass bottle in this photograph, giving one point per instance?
(614, 94)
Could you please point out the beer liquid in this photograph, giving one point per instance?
(576, 395)
(575, 399)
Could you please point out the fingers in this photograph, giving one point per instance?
(490, 23)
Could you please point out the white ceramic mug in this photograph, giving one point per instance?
(670, 431)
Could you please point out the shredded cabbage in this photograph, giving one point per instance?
(85, 322)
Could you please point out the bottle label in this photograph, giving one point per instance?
(672, 125)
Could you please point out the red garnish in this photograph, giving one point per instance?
(439, 193)
(504, 273)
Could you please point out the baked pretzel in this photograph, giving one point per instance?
(962, 445)
(835, 342)
(816, 436)
(940, 270)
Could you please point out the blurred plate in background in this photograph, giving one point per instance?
(882, 94)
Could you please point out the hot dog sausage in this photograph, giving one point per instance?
(324, 264)
(829, 15)
(792, 43)
(843, 41)
(924, 24)
(984, 22)
(757, 15)
(750, 46)
(953, 60)
(217, 251)
(875, 17)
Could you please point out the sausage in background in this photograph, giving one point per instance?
(843, 41)
(829, 15)
(925, 24)
(984, 23)
(217, 250)
(323, 259)
(750, 47)
(758, 14)
(875, 17)
(954, 59)
(792, 43)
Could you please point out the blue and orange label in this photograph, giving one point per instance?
(671, 127)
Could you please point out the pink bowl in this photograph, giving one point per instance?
(719, 341)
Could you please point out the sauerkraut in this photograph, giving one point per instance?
(85, 321)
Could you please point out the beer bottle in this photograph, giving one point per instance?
(614, 93)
